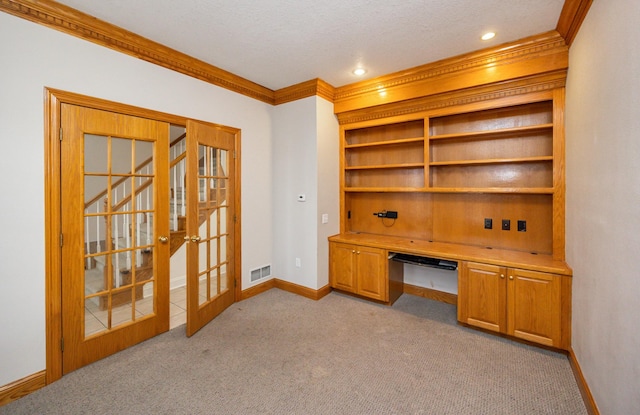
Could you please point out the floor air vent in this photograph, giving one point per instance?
(260, 273)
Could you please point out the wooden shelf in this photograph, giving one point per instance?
(387, 166)
(384, 189)
(492, 133)
(491, 161)
(494, 190)
(386, 143)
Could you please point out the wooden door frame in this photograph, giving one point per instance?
(53, 100)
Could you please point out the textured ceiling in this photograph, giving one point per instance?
(278, 43)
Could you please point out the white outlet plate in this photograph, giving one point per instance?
(325, 218)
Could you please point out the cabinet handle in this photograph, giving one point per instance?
(353, 252)
(502, 276)
(511, 277)
(358, 252)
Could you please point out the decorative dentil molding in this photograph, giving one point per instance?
(503, 90)
(509, 53)
(68, 20)
(302, 90)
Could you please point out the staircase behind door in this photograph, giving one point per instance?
(122, 232)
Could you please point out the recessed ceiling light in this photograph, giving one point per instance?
(359, 71)
(488, 35)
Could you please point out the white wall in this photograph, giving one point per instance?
(305, 161)
(433, 278)
(603, 202)
(33, 57)
(328, 177)
(294, 170)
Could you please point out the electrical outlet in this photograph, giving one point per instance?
(522, 226)
(506, 224)
(488, 223)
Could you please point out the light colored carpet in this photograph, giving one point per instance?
(279, 353)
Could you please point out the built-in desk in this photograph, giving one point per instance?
(520, 294)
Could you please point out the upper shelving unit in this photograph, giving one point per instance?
(385, 157)
(510, 148)
(503, 150)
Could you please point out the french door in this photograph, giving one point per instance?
(115, 231)
(210, 192)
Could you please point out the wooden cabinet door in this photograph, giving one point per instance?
(534, 307)
(371, 273)
(482, 296)
(342, 266)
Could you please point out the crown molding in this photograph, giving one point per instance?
(529, 56)
(571, 18)
(494, 94)
(303, 90)
(73, 22)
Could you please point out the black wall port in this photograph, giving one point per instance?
(522, 226)
(391, 214)
(506, 224)
(488, 223)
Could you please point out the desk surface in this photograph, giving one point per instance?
(457, 252)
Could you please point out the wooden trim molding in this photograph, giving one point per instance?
(424, 292)
(543, 53)
(22, 387)
(504, 90)
(258, 289)
(525, 57)
(286, 286)
(303, 90)
(73, 22)
(52, 231)
(303, 291)
(587, 397)
(571, 18)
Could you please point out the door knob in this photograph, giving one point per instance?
(195, 238)
(163, 239)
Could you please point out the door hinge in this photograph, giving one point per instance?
(235, 283)
(60, 133)
(235, 218)
(234, 154)
(62, 344)
(61, 240)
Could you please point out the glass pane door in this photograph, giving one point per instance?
(115, 226)
(210, 191)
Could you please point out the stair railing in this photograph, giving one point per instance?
(116, 229)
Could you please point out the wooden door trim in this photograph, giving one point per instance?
(53, 99)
